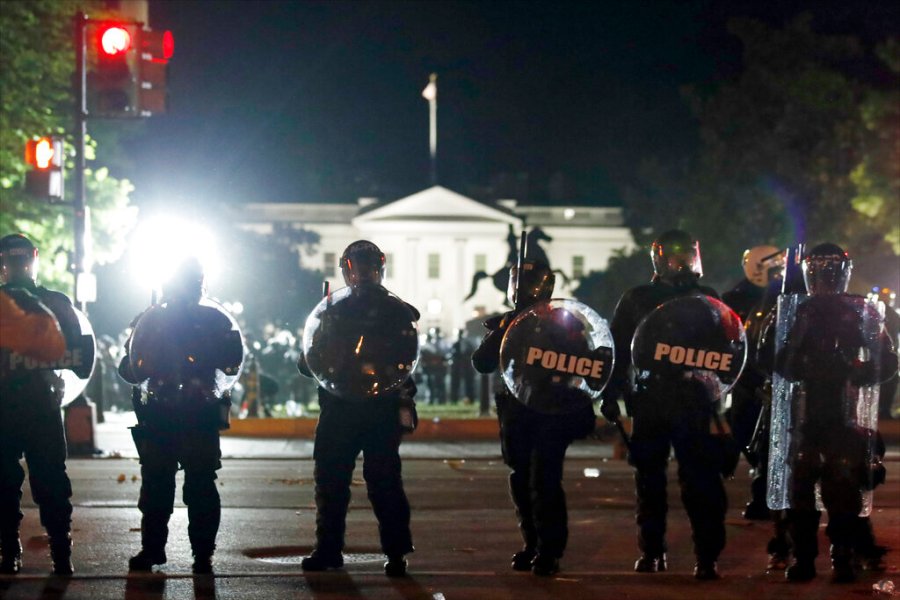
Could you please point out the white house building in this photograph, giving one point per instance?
(436, 240)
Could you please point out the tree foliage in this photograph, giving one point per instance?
(37, 64)
(800, 146)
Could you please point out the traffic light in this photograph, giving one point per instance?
(112, 69)
(126, 70)
(157, 47)
(45, 179)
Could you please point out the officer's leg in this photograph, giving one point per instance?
(517, 444)
(200, 457)
(11, 478)
(703, 495)
(842, 475)
(335, 451)
(45, 454)
(649, 455)
(549, 499)
(384, 482)
(803, 518)
(159, 463)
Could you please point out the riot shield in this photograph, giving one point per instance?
(197, 344)
(361, 343)
(557, 356)
(692, 337)
(828, 357)
(70, 373)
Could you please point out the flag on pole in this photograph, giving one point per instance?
(430, 91)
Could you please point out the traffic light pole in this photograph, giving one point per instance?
(78, 203)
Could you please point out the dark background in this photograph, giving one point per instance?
(546, 102)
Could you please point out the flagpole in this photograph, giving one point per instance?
(430, 94)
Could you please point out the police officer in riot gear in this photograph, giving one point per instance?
(533, 444)
(667, 413)
(751, 299)
(183, 350)
(827, 351)
(371, 425)
(31, 424)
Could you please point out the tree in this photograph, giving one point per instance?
(266, 277)
(37, 63)
(797, 147)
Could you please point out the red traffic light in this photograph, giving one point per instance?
(115, 41)
(44, 153)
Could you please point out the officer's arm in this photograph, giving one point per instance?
(486, 357)
(622, 328)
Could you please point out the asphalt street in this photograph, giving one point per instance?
(463, 525)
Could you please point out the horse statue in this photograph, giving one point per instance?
(533, 251)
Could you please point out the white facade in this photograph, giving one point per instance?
(436, 240)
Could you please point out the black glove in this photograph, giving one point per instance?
(610, 410)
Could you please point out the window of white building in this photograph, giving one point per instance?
(330, 264)
(434, 266)
(388, 265)
(577, 266)
(481, 262)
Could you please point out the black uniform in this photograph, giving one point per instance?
(821, 350)
(178, 425)
(534, 447)
(346, 427)
(31, 425)
(668, 414)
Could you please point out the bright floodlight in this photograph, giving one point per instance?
(161, 243)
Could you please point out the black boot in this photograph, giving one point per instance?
(521, 560)
(61, 554)
(11, 549)
(706, 570)
(842, 565)
(145, 559)
(545, 566)
(202, 564)
(395, 566)
(318, 561)
(802, 570)
(651, 563)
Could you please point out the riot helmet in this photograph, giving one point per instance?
(187, 283)
(18, 259)
(537, 281)
(362, 263)
(675, 254)
(763, 265)
(826, 270)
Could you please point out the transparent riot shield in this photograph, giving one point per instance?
(361, 343)
(195, 347)
(696, 337)
(77, 365)
(828, 357)
(557, 356)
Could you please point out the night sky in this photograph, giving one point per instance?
(321, 101)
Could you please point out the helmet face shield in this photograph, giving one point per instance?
(826, 270)
(676, 253)
(362, 263)
(18, 259)
(537, 282)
